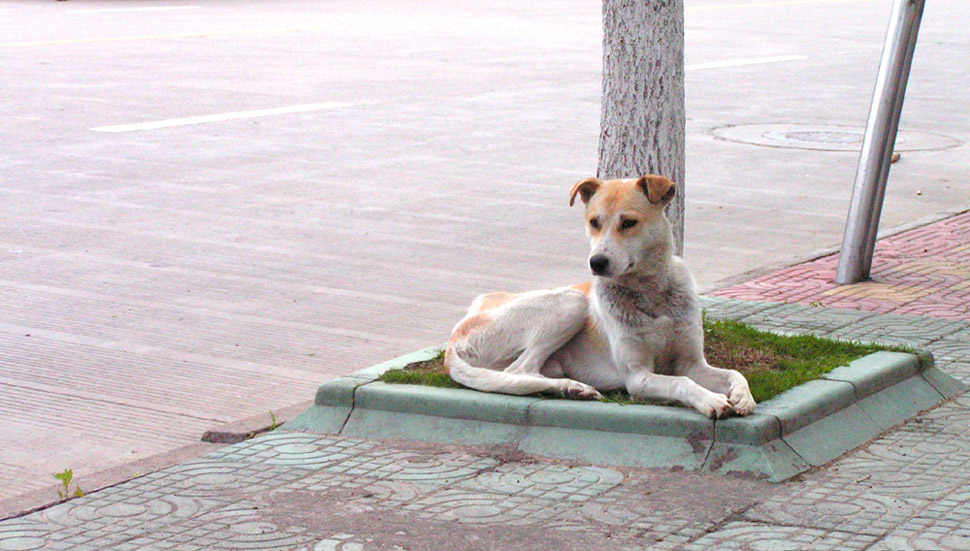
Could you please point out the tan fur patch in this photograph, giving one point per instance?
(494, 300)
(595, 337)
(468, 326)
(583, 287)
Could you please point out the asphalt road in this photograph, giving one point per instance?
(209, 208)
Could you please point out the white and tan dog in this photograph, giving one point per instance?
(637, 326)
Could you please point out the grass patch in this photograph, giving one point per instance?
(772, 363)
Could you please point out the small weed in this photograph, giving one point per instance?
(65, 492)
(273, 425)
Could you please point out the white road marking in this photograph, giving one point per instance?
(742, 62)
(223, 117)
(118, 10)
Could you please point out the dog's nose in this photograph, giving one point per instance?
(599, 263)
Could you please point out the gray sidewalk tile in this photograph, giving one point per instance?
(719, 308)
(748, 536)
(828, 504)
(289, 449)
(413, 467)
(364, 492)
(237, 527)
(941, 526)
(913, 331)
(546, 481)
(216, 479)
(952, 417)
(909, 464)
(796, 318)
(471, 507)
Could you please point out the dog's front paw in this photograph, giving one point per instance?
(713, 406)
(742, 402)
(580, 391)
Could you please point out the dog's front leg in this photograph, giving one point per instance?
(645, 384)
(724, 381)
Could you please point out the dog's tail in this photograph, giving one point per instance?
(491, 380)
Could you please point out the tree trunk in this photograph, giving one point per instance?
(643, 122)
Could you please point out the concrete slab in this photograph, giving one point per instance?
(900, 402)
(831, 436)
(876, 372)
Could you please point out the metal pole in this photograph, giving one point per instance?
(862, 223)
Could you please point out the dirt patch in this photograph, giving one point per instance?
(744, 359)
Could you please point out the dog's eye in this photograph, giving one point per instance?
(594, 223)
(627, 224)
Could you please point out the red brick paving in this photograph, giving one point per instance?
(925, 271)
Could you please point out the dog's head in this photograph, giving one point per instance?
(625, 222)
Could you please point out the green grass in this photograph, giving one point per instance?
(772, 363)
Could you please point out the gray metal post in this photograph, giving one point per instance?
(862, 223)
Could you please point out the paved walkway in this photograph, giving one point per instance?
(907, 490)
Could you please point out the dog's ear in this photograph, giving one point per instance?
(659, 190)
(585, 189)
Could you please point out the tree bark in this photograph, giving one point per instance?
(643, 122)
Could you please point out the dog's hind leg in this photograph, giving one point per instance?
(519, 384)
(511, 344)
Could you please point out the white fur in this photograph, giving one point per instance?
(639, 329)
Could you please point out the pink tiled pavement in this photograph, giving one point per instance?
(925, 271)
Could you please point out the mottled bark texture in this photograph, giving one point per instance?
(643, 122)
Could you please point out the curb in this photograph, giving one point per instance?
(801, 428)
(244, 429)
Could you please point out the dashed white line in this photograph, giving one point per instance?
(119, 10)
(167, 123)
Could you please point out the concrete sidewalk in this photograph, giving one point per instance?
(907, 490)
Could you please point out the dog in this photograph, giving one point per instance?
(637, 326)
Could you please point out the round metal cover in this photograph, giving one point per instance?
(826, 137)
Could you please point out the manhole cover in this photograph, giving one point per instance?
(826, 137)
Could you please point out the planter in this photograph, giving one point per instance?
(806, 426)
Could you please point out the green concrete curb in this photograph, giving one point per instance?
(804, 427)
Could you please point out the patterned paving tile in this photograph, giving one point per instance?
(732, 309)
(386, 492)
(907, 464)
(952, 417)
(667, 511)
(944, 526)
(26, 534)
(113, 516)
(307, 451)
(806, 319)
(835, 505)
(339, 542)
(747, 536)
(954, 347)
(212, 478)
(899, 330)
(237, 527)
(435, 469)
(925, 272)
(470, 507)
(547, 481)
